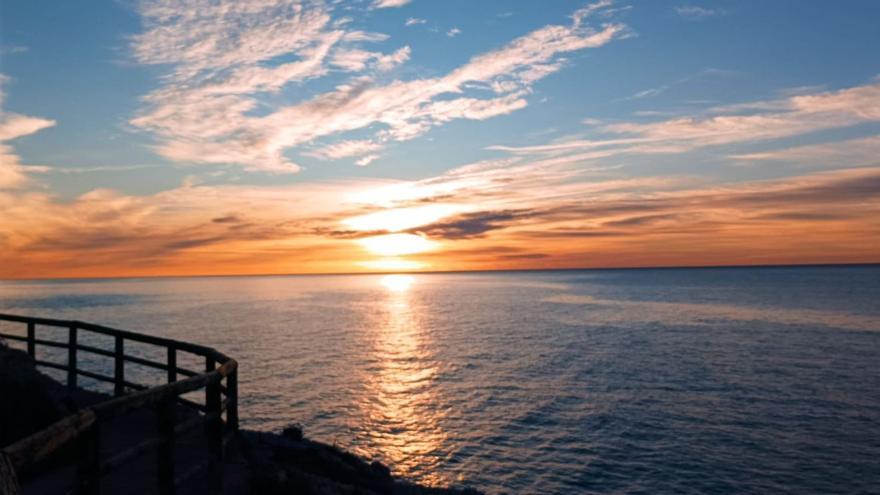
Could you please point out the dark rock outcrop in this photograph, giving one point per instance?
(283, 464)
(29, 399)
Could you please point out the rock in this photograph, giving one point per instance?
(293, 432)
(280, 464)
(381, 469)
(28, 405)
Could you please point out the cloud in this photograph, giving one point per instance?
(651, 92)
(9, 49)
(414, 21)
(849, 152)
(470, 225)
(88, 170)
(356, 60)
(388, 62)
(642, 220)
(741, 125)
(353, 60)
(385, 4)
(344, 149)
(227, 219)
(13, 126)
(772, 120)
(201, 35)
(364, 161)
(206, 111)
(453, 32)
(695, 12)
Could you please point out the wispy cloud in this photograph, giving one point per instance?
(741, 124)
(452, 33)
(344, 149)
(92, 169)
(849, 152)
(356, 60)
(13, 126)
(695, 12)
(9, 49)
(205, 112)
(414, 21)
(366, 160)
(655, 91)
(386, 4)
(773, 119)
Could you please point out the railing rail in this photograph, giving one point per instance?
(25, 455)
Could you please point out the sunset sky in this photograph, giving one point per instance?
(161, 137)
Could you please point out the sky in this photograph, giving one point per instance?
(210, 137)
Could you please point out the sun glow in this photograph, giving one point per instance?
(397, 244)
(393, 264)
(398, 219)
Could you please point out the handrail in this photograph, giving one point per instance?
(26, 454)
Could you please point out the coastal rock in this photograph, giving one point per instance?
(28, 404)
(293, 432)
(281, 465)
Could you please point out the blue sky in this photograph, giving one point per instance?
(143, 99)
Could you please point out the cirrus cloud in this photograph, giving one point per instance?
(222, 63)
(13, 126)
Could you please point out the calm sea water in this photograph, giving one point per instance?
(759, 380)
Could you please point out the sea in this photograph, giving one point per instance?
(709, 380)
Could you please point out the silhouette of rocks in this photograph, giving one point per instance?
(282, 465)
(30, 399)
(293, 432)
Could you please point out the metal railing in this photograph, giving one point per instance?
(81, 429)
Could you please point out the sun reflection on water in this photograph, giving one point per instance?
(400, 405)
(397, 283)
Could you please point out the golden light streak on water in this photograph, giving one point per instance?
(400, 407)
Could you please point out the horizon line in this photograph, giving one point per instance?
(440, 272)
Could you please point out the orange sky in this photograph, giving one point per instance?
(488, 217)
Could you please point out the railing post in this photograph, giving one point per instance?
(232, 397)
(165, 459)
(213, 426)
(71, 358)
(172, 364)
(88, 480)
(210, 364)
(32, 339)
(119, 368)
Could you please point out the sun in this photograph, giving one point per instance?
(397, 244)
